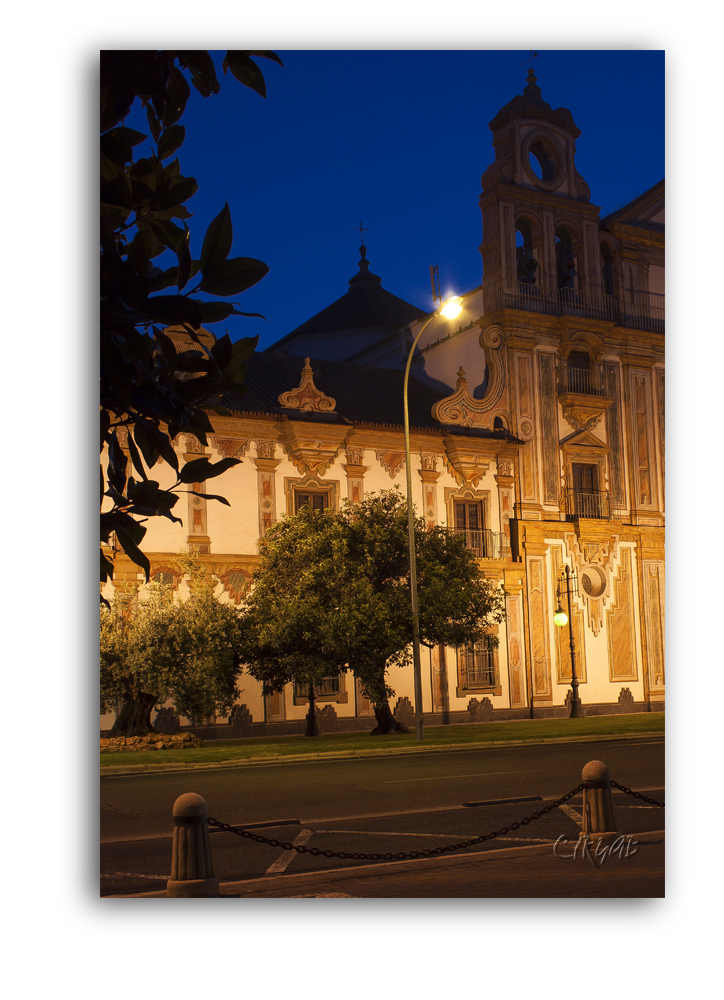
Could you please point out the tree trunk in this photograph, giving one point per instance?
(135, 717)
(387, 724)
(312, 724)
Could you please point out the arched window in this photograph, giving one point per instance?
(565, 261)
(527, 265)
(607, 270)
(499, 424)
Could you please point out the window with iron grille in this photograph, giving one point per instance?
(316, 499)
(478, 666)
(327, 687)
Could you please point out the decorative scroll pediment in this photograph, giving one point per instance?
(312, 447)
(231, 447)
(464, 462)
(461, 408)
(307, 396)
(391, 461)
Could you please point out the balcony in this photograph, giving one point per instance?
(583, 382)
(485, 544)
(641, 310)
(595, 505)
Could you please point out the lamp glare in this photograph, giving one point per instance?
(560, 618)
(452, 308)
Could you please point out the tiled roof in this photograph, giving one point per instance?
(363, 394)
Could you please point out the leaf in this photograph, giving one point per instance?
(168, 233)
(133, 552)
(233, 276)
(201, 469)
(203, 73)
(129, 135)
(178, 94)
(266, 55)
(171, 140)
(153, 123)
(176, 191)
(221, 351)
(172, 310)
(184, 259)
(106, 568)
(215, 312)
(217, 241)
(245, 70)
(208, 496)
(136, 458)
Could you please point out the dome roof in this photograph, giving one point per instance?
(366, 304)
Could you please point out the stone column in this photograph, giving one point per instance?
(192, 873)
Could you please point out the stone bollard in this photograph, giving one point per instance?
(598, 822)
(192, 874)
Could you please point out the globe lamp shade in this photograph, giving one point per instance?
(560, 618)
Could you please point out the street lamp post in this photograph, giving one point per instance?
(451, 308)
(561, 618)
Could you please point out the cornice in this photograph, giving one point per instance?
(515, 195)
(637, 236)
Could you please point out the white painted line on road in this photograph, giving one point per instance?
(573, 814)
(282, 863)
(441, 836)
(447, 777)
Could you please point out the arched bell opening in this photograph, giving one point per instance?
(526, 262)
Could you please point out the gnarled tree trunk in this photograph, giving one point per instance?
(387, 724)
(135, 717)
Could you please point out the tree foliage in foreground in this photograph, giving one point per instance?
(147, 386)
(155, 646)
(333, 591)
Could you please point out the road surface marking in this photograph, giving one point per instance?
(282, 862)
(446, 777)
(573, 814)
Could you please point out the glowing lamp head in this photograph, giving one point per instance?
(452, 308)
(560, 618)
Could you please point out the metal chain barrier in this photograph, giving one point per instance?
(637, 795)
(401, 856)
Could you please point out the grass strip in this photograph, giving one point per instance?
(485, 732)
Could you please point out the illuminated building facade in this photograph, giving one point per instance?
(537, 431)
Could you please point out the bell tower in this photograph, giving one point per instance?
(540, 234)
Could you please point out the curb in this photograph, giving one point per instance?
(325, 877)
(128, 770)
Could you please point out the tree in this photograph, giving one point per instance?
(148, 388)
(155, 646)
(286, 615)
(336, 585)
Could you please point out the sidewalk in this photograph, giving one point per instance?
(514, 873)
(389, 751)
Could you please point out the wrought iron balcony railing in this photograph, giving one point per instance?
(639, 310)
(485, 544)
(584, 381)
(592, 504)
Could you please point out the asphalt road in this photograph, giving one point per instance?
(395, 804)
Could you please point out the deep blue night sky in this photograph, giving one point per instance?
(396, 140)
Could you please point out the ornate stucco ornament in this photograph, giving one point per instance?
(307, 396)
(461, 408)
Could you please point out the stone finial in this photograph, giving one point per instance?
(307, 396)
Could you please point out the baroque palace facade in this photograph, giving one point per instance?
(537, 431)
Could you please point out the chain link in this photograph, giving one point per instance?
(431, 852)
(637, 795)
(390, 856)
